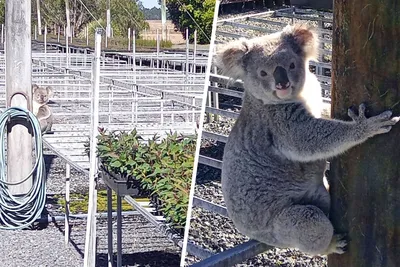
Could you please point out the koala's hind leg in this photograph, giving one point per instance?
(307, 228)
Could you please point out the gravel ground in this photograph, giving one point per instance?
(143, 244)
(212, 231)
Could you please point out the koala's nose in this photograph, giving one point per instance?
(281, 78)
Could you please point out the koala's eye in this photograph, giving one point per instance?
(263, 73)
(292, 66)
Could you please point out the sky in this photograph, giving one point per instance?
(150, 3)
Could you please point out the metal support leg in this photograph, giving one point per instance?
(67, 203)
(119, 231)
(109, 227)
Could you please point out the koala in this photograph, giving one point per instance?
(45, 117)
(40, 108)
(41, 96)
(275, 157)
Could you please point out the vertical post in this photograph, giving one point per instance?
(106, 39)
(194, 51)
(66, 49)
(108, 28)
(216, 99)
(187, 57)
(68, 28)
(2, 33)
(87, 35)
(35, 32)
(18, 82)
(39, 19)
(119, 231)
(158, 46)
(365, 180)
(129, 39)
(67, 203)
(90, 246)
(136, 102)
(109, 228)
(45, 38)
(163, 19)
(162, 108)
(58, 34)
(134, 55)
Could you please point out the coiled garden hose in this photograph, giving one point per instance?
(17, 212)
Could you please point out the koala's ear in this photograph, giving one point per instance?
(34, 87)
(303, 39)
(229, 57)
(49, 91)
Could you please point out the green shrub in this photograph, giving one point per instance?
(163, 167)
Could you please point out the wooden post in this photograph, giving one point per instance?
(90, 241)
(365, 182)
(18, 83)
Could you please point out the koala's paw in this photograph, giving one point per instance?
(338, 244)
(375, 125)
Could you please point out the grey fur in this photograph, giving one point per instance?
(40, 96)
(274, 160)
(45, 117)
(41, 110)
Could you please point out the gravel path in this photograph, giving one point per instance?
(143, 244)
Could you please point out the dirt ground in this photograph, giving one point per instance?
(174, 36)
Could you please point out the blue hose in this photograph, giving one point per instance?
(17, 212)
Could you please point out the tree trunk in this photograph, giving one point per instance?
(365, 182)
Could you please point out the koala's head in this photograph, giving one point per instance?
(41, 95)
(272, 67)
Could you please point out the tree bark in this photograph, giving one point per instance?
(365, 182)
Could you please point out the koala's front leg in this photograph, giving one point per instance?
(317, 139)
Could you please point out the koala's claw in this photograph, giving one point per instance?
(338, 244)
(361, 113)
(385, 115)
(378, 124)
(361, 110)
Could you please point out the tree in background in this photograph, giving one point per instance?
(53, 13)
(124, 14)
(2, 10)
(194, 15)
